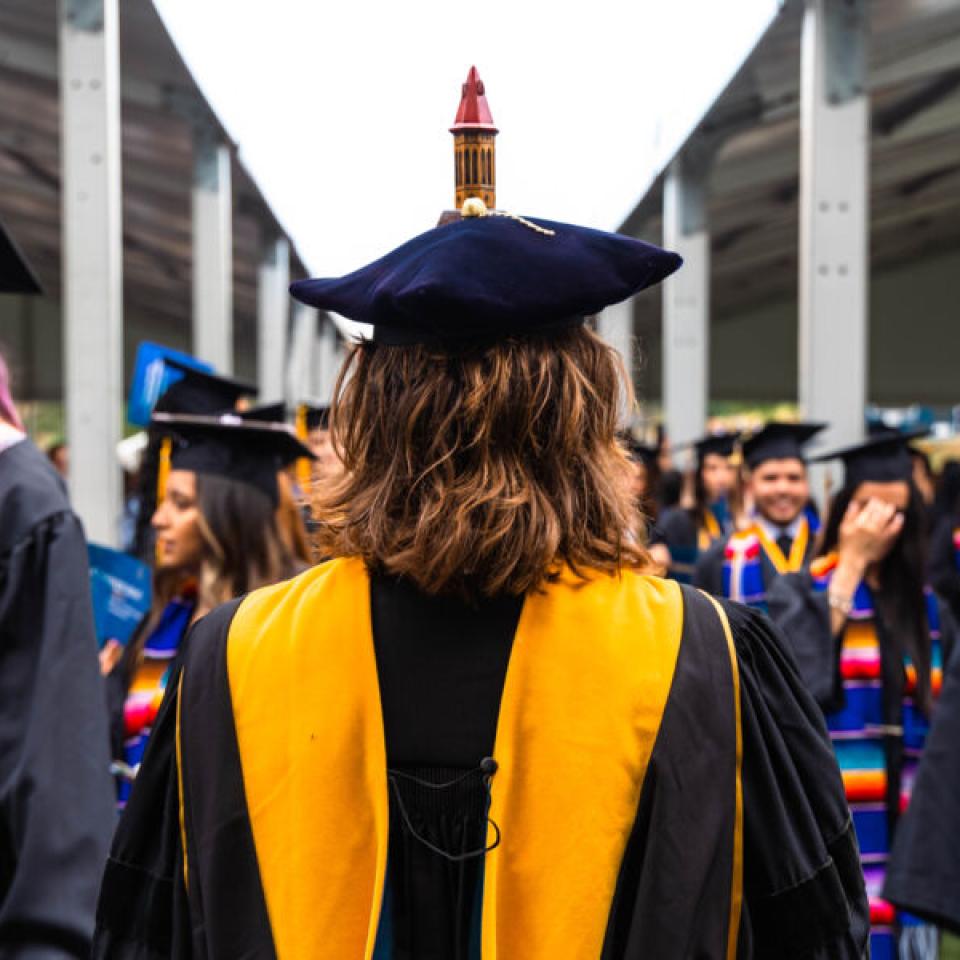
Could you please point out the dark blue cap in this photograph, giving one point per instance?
(490, 277)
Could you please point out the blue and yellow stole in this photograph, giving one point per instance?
(743, 562)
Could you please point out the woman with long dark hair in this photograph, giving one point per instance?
(481, 727)
(690, 529)
(869, 639)
(217, 537)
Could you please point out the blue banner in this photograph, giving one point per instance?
(120, 585)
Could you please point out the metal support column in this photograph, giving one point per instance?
(834, 217)
(302, 357)
(273, 311)
(92, 258)
(212, 252)
(615, 325)
(686, 298)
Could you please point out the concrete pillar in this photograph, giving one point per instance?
(329, 357)
(615, 325)
(212, 253)
(273, 311)
(92, 259)
(834, 217)
(686, 299)
(302, 359)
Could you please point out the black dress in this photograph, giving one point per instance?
(56, 794)
(441, 666)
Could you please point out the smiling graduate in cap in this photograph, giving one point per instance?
(360, 773)
(780, 537)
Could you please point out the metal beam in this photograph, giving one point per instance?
(212, 253)
(273, 312)
(686, 299)
(834, 217)
(92, 261)
(615, 325)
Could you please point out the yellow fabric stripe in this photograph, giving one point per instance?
(303, 683)
(736, 883)
(588, 680)
(798, 549)
(304, 466)
(180, 805)
(709, 532)
(589, 676)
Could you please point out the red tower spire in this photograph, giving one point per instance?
(474, 111)
(475, 161)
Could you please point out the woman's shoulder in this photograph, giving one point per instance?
(31, 491)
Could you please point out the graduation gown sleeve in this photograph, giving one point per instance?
(803, 892)
(803, 617)
(803, 886)
(148, 907)
(56, 792)
(923, 876)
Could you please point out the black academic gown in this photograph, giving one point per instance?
(441, 666)
(678, 530)
(923, 876)
(56, 795)
(944, 572)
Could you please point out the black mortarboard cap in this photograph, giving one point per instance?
(644, 453)
(200, 393)
(265, 413)
(883, 458)
(15, 273)
(316, 416)
(779, 441)
(722, 444)
(248, 452)
(488, 277)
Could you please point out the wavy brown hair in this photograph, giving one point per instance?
(484, 470)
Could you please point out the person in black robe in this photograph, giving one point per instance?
(924, 872)
(56, 803)
(781, 537)
(945, 561)
(425, 748)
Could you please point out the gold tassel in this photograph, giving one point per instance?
(163, 474)
(163, 468)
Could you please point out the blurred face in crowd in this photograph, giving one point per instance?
(718, 475)
(780, 490)
(327, 466)
(177, 523)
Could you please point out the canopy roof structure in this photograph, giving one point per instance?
(753, 131)
(161, 109)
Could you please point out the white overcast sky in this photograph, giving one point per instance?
(342, 109)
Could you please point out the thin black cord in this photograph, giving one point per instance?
(392, 776)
